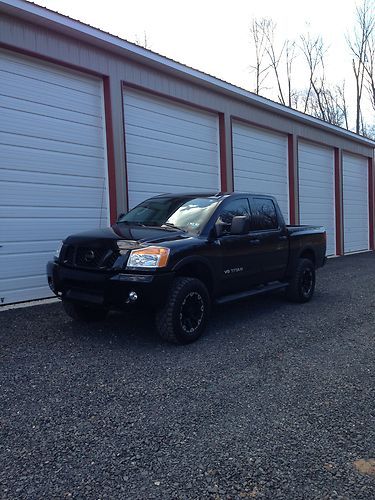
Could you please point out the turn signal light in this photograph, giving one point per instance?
(149, 257)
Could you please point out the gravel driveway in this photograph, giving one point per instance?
(277, 400)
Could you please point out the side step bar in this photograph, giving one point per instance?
(249, 293)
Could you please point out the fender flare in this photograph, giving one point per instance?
(192, 259)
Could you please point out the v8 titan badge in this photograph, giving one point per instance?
(233, 270)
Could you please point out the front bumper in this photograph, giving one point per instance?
(108, 289)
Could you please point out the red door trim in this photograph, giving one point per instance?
(231, 152)
(110, 151)
(126, 179)
(371, 201)
(223, 154)
(338, 203)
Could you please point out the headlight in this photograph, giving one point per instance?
(149, 257)
(58, 250)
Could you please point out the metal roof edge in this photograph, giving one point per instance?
(43, 16)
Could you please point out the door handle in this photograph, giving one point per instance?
(254, 242)
(283, 238)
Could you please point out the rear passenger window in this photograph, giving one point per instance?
(263, 214)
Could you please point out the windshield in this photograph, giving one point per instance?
(180, 213)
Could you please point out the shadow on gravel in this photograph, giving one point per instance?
(136, 329)
(118, 328)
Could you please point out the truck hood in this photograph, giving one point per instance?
(133, 234)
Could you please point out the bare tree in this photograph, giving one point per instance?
(314, 51)
(330, 107)
(335, 105)
(142, 41)
(370, 70)
(258, 30)
(320, 98)
(342, 104)
(358, 43)
(290, 56)
(369, 131)
(275, 57)
(274, 63)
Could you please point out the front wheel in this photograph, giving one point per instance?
(302, 285)
(81, 312)
(185, 314)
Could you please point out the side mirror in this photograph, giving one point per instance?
(240, 224)
(219, 227)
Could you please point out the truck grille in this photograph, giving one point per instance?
(88, 257)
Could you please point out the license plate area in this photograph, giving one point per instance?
(84, 296)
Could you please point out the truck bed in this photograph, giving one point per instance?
(292, 229)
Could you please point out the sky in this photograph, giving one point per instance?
(213, 36)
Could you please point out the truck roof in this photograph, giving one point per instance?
(217, 194)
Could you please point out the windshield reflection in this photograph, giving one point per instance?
(185, 214)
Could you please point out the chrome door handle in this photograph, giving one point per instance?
(254, 242)
(283, 237)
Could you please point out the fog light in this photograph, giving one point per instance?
(133, 296)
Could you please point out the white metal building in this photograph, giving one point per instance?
(91, 125)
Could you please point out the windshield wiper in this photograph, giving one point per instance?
(151, 224)
(170, 224)
(130, 223)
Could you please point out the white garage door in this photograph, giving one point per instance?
(170, 148)
(52, 168)
(260, 163)
(317, 189)
(356, 206)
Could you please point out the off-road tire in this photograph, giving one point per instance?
(83, 313)
(171, 320)
(297, 290)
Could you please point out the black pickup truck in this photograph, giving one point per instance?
(178, 254)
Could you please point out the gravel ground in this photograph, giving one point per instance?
(277, 400)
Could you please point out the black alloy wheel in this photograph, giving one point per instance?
(192, 312)
(185, 314)
(302, 283)
(307, 282)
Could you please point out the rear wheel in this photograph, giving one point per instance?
(81, 312)
(185, 314)
(302, 285)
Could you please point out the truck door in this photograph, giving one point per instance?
(271, 234)
(240, 258)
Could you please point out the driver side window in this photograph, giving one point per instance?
(233, 209)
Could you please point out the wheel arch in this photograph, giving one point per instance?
(197, 267)
(308, 253)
